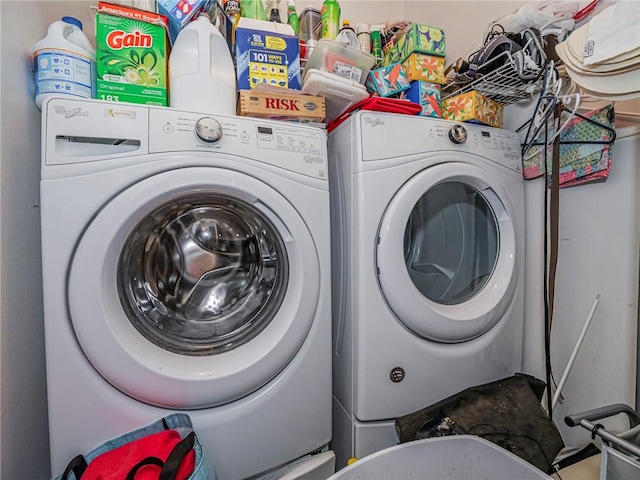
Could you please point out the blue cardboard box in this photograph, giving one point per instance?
(266, 52)
(428, 96)
(181, 12)
(387, 81)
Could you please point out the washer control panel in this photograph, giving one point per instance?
(293, 147)
(278, 138)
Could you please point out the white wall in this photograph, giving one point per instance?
(464, 21)
(599, 245)
(599, 237)
(24, 446)
(22, 364)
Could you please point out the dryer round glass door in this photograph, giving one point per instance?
(446, 253)
(193, 288)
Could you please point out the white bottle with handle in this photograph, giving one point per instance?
(64, 62)
(202, 77)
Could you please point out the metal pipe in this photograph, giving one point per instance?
(610, 437)
(574, 353)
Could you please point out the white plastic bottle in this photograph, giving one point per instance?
(364, 37)
(64, 62)
(201, 73)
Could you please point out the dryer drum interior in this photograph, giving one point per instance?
(451, 243)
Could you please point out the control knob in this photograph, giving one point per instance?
(208, 130)
(458, 134)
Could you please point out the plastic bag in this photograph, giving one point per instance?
(539, 14)
(506, 412)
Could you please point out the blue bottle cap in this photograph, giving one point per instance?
(73, 21)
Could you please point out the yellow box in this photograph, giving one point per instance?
(425, 68)
(281, 106)
(473, 107)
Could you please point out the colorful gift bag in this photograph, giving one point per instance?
(579, 162)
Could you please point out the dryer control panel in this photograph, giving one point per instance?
(380, 139)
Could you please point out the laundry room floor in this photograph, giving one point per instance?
(587, 469)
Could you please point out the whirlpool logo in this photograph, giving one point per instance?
(70, 113)
(373, 122)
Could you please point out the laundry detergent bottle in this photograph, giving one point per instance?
(201, 73)
(64, 62)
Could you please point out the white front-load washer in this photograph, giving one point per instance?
(186, 267)
(428, 245)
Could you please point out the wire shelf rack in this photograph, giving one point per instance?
(504, 85)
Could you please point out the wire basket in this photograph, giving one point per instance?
(504, 85)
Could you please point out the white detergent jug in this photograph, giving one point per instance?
(202, 77)
(64, 62)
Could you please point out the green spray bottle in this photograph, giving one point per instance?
(292, 16)
(376, 44)
(253, 9)
(330, 19)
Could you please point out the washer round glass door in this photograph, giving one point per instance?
(187, 291)
(446, 253)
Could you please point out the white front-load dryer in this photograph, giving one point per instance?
(428, 245)
(186, 267)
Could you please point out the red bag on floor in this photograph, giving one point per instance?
(144, 459)
(145, 454)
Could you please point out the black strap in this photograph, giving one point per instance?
(554, 220)
(555, 213)
(77, 465)
(174, 460)
(143, 463)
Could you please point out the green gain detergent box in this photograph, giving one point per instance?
(131, 55)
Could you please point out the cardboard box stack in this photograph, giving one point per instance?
(419, 53)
